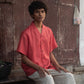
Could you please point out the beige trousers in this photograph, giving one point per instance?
(54, 78)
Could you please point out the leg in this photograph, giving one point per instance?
(62, 78)
(48, 79)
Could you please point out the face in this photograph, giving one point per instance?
(39, 15)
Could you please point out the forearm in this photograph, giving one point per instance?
(40, 70)
(56, 64)
(53, 60)
(29, 62)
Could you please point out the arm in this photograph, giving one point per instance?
(56, 64)
(28, 62)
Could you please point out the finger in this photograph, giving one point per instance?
(58, 70)
(42, 74)
(64, 70)
(47, 72)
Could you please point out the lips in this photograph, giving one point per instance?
(40, 17)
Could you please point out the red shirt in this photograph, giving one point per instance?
(37, 47)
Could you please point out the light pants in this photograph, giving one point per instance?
(54, 78)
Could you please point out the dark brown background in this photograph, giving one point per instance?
(14, 18)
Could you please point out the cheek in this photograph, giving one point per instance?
(44, 15)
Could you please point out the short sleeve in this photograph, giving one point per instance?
(53, 43)
(23, 44)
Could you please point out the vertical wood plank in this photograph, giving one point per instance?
(7, 32)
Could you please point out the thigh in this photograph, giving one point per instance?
(48, 79)
(62, 77)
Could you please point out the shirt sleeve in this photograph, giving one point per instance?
(23, 44)
(53, 43)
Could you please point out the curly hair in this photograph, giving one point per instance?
(36, 5)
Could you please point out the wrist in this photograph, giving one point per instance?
(37, 67)
(55, 65)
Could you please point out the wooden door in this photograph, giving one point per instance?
(60, 20)
(6, 32)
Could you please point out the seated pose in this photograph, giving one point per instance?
(36, 45)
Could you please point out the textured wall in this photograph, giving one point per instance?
(6, 32)
(59, 19)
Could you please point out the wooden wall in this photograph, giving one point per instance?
(14, 18)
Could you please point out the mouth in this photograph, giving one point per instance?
(40, 17)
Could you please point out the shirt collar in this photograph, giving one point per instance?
(35, 28)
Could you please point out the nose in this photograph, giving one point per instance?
(40, 13)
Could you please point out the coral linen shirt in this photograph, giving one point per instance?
(37, 47)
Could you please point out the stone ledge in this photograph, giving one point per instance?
(78, 69)
(75, 69)
(16, 76)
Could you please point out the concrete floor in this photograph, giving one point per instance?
(79, 78)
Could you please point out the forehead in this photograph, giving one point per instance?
(41, 9)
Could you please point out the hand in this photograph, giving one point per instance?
(62, 68)
(59, 68)
(42, 72)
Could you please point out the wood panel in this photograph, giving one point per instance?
(6, 33)
(59, 19)
(68, 34)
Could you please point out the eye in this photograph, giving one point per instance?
(43, 11)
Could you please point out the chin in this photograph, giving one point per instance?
(40, 21)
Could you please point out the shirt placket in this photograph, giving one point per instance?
(41, 51)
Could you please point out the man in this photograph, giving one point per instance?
(36, 45)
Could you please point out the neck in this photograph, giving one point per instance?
(38, 24)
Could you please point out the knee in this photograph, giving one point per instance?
(71, 78)
(70, 75)
(49, 79)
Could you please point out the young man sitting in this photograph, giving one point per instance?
(36, 45)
